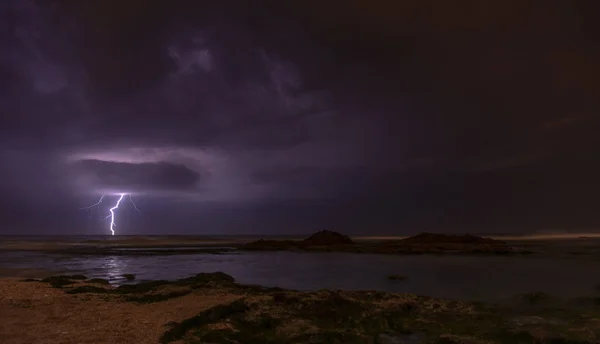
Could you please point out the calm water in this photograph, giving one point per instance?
(478, 278)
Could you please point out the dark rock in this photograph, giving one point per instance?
(62, 280)
(87, 289)
(140, 288)
(397, 277)
(150, 298)
(129, 277)
(200, 280)
(284, 298)
(534, 298)
(207, 277)
(98, 281)
(434, 238)
(259, 289)
(327, 238)
(432, 243)
(425, 243)
(329, 306)
(211, 315)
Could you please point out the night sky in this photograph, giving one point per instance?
(284, 117)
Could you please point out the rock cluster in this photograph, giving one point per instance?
(424, 243)
(436, 238)
(327, 238)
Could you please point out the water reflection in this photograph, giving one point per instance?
(114, 267)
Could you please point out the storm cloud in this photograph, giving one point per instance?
(115, 177)
(299, 115)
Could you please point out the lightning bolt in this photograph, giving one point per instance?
(112, 210)
(97, 204)
(134, 206)
(112, 213)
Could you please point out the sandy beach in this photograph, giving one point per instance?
(37, 313)
(212, 308)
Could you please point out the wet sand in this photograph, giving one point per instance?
(25, 272)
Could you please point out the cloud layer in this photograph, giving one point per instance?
(115, 177)
(302, 113)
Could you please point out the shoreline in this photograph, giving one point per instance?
(211, 307)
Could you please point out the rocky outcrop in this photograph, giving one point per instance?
(318, 241)
(327, 238)
(435, 243)
(425, 243)
(436, 238)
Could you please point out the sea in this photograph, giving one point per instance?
(478, 278)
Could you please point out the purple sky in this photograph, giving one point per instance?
(289, 117)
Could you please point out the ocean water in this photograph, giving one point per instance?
(457, 277)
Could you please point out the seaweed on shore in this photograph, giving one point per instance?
(211, 315)
(291, 317)
(143, 292)
(362, 317)
(87, 289)
(101, 281)
(63, 280)
(150, 298)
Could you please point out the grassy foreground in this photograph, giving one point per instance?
(254, 314)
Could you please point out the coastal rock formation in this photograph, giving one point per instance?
(320, 239)
(424, 243)
(437, 238)
(435, 243)
(327, 238)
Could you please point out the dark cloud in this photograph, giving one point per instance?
(136, 178)
(296, 114)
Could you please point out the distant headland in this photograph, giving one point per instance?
(424, 243)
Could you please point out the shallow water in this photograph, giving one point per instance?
(459, 277)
